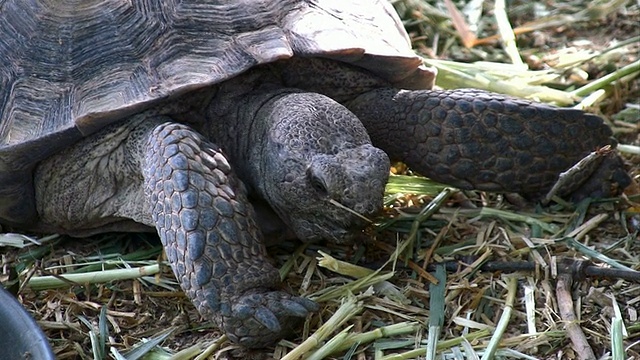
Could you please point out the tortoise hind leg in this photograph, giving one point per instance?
(474, 139)
(163, 174)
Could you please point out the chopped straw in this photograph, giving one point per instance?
(94, 277)
(385, 296)
(349, 307)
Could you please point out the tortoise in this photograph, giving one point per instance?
(181, 116)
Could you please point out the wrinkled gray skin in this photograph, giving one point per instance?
(298, 137)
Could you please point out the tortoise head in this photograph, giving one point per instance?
(321, 173)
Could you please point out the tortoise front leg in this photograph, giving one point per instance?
(474, 139)
(216, 251)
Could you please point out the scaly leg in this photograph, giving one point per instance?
(211, 239)
(473, 139)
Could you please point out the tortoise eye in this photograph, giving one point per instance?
(318, 185)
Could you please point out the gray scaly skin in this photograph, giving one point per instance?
(490, 142)
(214, 246)
(294, 139)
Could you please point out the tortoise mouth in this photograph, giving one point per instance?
(338, 236)
(339, 230)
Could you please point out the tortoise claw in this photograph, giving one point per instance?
(261, 318)
(299, 307)
(268, 319)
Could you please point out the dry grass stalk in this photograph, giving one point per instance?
(565, 304)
